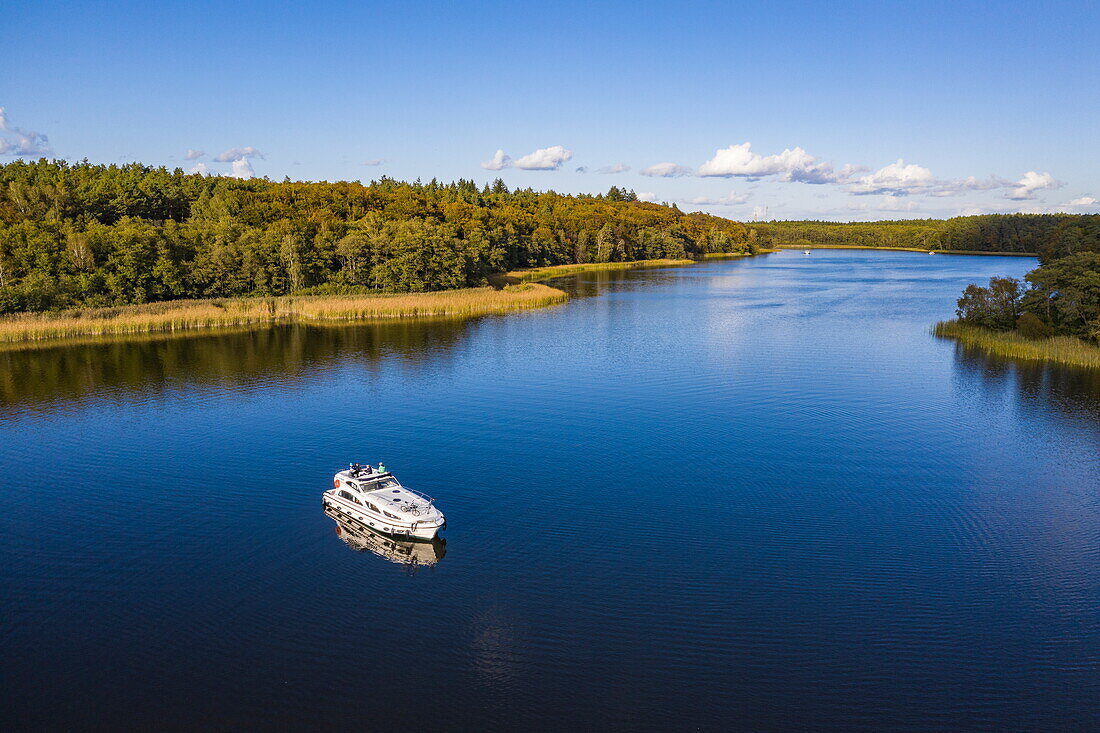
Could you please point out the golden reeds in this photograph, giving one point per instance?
(179, 315)
(1059, 349)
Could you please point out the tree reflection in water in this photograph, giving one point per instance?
(280, 355)
(1073, 392)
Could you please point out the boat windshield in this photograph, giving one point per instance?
(384, 483)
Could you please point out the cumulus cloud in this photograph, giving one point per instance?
(544, 159)
(1084, 201)
(617, 168)
(732, 199)
(790, 165)
(1031, 182)
(647, 196)
(241, 168)
(202, 169)
(896, 179)
(193, 154)
(666, 170)
(234, 155)
(17, 141)
(499, 161)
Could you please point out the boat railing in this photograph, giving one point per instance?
(425, 497)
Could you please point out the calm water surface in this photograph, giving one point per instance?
(742, 494)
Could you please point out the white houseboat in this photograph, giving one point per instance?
(379, 501)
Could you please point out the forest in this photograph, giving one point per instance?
(84, 235)
(89, 235)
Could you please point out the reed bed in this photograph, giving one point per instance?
(181, 315)
(1059, 349)
(544, 273)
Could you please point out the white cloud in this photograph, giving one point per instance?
(666, 170)
(790, 165)
(241, 168)
(499, 161)
(1084, 201)
(732, 199)
(759, 213)
(373, 162)
(897, 179)
(236, 154)
(202, 169)
(17, 141)
(647, 196)
(617, 168)
(1074, 206)
(544, 159)
(193, 154)
(1030, 183)
(582, 169)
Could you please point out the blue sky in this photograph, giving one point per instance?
(850, 110)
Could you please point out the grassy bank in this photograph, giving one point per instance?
(181, 315)
(848, 246)
(908, 249)
(1060, 349)
(545, 273)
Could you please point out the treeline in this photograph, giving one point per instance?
(95, 235)
(1048, 235)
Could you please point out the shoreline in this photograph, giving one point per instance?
(1065, 350)
(508, 292)
(909, 249)
(536, 274)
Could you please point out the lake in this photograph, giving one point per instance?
(749, 493)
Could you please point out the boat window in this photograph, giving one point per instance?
(385, 483)
(372, 507)
(391, 516)
(349, 497)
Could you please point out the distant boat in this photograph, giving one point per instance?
(805, 251)
(931, 253)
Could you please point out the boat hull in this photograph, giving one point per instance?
(416, 531)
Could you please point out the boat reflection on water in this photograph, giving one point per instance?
(413, 555)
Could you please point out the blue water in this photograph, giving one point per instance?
(748, 494)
